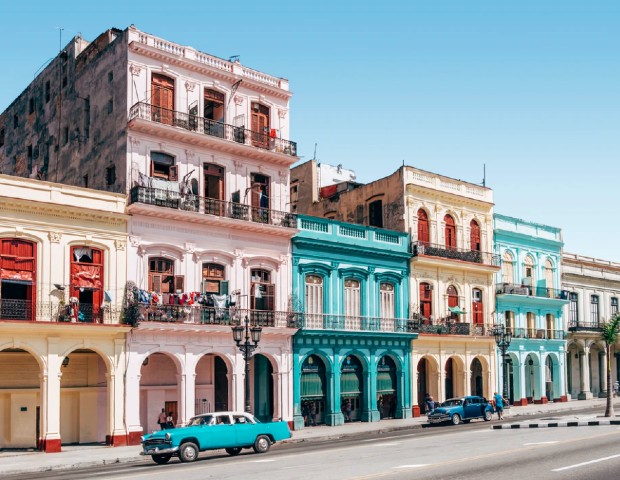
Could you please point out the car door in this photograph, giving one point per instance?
(471, 407)
(222, 434)
(245, 431)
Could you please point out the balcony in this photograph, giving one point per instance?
(29, 311)
(193, 203)
(352, 324)
(449, 327)
(201, 315)
(463, 255)
(537, 333)
(594, 327)
(526, 290)
(203, 126)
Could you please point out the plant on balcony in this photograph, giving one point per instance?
(609, 334)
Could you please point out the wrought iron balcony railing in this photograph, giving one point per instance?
(27, 310)
(585, 326)
(447, 327)
(211, 206)
(453, 253)
(201, 315)
(311, 321)
(526, 290)
(194, 123)
(537, 333)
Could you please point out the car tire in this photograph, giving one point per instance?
(188, 452)
(456, 419)
(466, 421)
(233, 451)
(488, 416)
(161, 459)
(262, 444)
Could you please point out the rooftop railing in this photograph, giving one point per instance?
(585, 326)
(453, 253)
(211, 206)
(30, 311)
(450, 327)
(537, 333)
(205, 126)
(540, 292)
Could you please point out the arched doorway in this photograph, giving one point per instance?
(87, 282)
(351, 388)
(83, 398)
(212, 390)
(549, 384)
(313, 390)
(158, 390)
(531, 391)
(450, 379)
(20, 399)
(263, 388)
(476, 379)
(422, 383)
(387, 394)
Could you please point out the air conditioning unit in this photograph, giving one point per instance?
(428, 287)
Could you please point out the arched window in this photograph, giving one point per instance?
(549, 277)
(528, 271)
(213, 279)
(161, 276)
(262, 296)
(260, 125)
(509, 320)
(531, 324)
(423, 229)
(87, 281)
(477, 307)
(450, 232)
(387, 300)
(162, 99)
(453, 301)
(474, 235)
(352, 298)
(162, 166)
(314, 295)
(594, 312)
(508, 274)
(18, 278)
(426, 300)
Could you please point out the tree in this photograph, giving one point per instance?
(609, 335)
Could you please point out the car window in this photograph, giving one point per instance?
(223, 420)
(200, 420)
(239, 419)
(453, 402)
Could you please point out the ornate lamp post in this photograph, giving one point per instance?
(252, 334)
(503, 337)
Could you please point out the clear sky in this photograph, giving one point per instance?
(531, 88)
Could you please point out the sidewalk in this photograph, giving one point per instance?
(82, 456)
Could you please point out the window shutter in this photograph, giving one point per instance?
(224, 287)
(174, 173)
(179, 281)
(271, 292)
(156, 283)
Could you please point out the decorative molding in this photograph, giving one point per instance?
(190, 153)
(54, 237)
(238, 100)
(190, 86)
(282, 113)
(135, 240)
(165, 67)
(135, 69)
(120, 244)
(190, 247)
(134, 141)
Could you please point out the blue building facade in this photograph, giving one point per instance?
(529, 303)
(351, 355)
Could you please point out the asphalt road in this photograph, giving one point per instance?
(460, 452)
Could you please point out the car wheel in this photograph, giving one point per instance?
(488, 416)
(233, 451)
(456, 419)
(188, 452)
(466, 421)
(161, 459)
(262, 444)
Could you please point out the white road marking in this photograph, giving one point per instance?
(386, 444)
(412, 466)
(541, 443)
(585, 463)
(262, 461)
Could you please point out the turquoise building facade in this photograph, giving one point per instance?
(352, 352)
(529, 303)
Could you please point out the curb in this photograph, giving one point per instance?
(70, 466)
(578, 423)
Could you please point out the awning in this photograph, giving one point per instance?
(457, 310)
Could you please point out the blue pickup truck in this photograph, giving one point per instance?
(232, 431)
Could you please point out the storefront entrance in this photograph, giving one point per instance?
(351, 389)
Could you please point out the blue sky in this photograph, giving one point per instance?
(529, 88)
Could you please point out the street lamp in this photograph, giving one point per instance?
(503, 337)
(252, 334)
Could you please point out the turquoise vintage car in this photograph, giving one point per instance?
(463, 409)
(232, 431)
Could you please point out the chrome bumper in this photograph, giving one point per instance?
(159, 451)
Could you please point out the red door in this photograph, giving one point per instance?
(260, 125)
(17, 279)
(426, 300)
(450, 232)
(477, 307)
(423, 230)
(453, 301)
(475, 235)
(87, 282)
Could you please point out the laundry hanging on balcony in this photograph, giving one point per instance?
(457, 310)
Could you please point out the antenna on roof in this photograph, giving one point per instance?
(484, 174)
(314, 156)
(234, 58)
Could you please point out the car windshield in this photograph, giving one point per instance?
(201, 420)
(453, 402)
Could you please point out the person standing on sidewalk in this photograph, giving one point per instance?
(499, 405)
(162, 419)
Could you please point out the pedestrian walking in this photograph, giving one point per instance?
(312, 414)
(499, 405)
(347, 408)
(429, 404)
(169, 421)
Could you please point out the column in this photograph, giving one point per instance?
(370, 413)
(132, 405)
(298, 419)
(584, 375)
(50, 393)
(119, 435)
